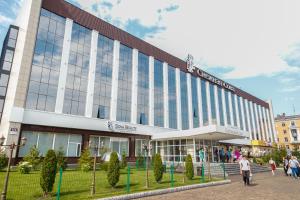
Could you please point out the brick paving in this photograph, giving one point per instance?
(265, 187)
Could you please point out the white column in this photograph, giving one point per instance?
(91, 76)
(134, 86)
(64, 67)
(237, 111)
(257, 122)
(190, 101)
(266, 124)
(166, 95)
(115, 80)
(269, 125)
(243, 113)
(248, 118)
(253, 121)
(224, 107)
(272, 121)
(261, 123)
(199, 102)
(178, 98)
(230, 108)
(210, 122)
(151, 91)
(217, 105)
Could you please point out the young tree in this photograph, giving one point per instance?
(48, 172)
(85, 160)
(113, 172)
(61, 160)
(189, 167)
(158, 168)
(33, 157)
(124, 162)
(3, 160)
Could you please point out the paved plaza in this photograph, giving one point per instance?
(264, 187)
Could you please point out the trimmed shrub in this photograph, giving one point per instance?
(33, 157)
(113, 172)
(140, 161)
(48, 172)
(123, 162)
(85, 160)
(24, 167)
(189, 167)
(3, 160)
(61, 160)
(158, 168)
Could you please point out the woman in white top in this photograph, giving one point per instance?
(245, 170)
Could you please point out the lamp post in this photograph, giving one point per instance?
(96, 149)
(11, 148)
(146, 149)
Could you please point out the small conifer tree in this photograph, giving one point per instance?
(85, 160)
(113, 172)
(124, 162)
(61, 160)
(33, 157)
(158, 168)
(48, 172)
(3, 160)
(189, 167)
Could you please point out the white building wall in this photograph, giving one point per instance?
(134, 86)
(261, 123)
(91, 75)
(190, 102)
(115, 79)
(266, 124)
(248, 118)
(151, 91)
(253, 121)
(243, 113)
(166, 95)
(257, 122)
(178, 98)
(272, 121)
(269, 125)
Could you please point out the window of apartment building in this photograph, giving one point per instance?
(184, 101)
(158, 94)
(172, 97)
(282, 124)
(78, 68)
(103, 78)
(124, 84)
(143, 89)
(195, 102)
(286, 139)
(46, 62)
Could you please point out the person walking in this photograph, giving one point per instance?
(272, 165)
(294, 164)
(285, 165)
(245, 170)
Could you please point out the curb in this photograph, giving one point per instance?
(165, 191)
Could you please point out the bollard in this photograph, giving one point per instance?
(172, 175)
(128, 179)
(59, 184)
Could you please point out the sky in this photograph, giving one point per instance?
(252, 44)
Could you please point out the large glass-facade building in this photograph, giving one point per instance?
(78, 80)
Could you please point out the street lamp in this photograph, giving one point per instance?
(11, 148)
(96, 149)
(146, 149)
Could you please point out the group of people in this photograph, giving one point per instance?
(291, 166)
(228, 155)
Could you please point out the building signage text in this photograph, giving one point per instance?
(120, 127)
(191, 68)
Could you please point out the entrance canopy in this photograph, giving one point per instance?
(212, 132)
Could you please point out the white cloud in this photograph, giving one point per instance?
(5, 20)
(248, 36)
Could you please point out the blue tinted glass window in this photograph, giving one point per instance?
(221, 111)
(158, 94)
(172, 97)
(204, 102)
(124, 84)
(227, 93)
(255, 120)
(245, 115)
(212, 103)
(233, 109)
(184, 101)
(78, 68)
(195, 108)
(240, 113)
(143, 89)
(45, 68)
(251, 119)
(103, 77)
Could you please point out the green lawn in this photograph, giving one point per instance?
(76, 184)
